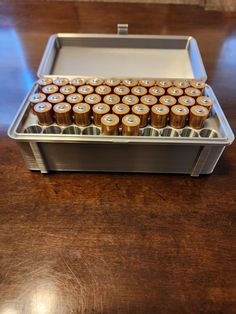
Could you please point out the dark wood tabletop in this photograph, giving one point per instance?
(109, 242)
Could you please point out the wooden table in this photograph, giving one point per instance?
(114, 243)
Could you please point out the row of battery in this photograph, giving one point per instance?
(85, 106)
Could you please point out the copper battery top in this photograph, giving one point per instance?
(181, 83)
(50, 89)
(121, 90)
(74, 98)
(205, 101)
(197, 84)
(110, 119)
(186, 101)
(120, 109)
(180, 110)
(160, 109)
(175, 91)
(164, 83)
(139, 90)
(101, 108)
(103, 90)
(140, 109)
(81, 108)
(56, 98)
(62, 107)
(198, 115)
(149, 100)
(63, 113)
(199, 111)
(92, 99)
(112, 82)
(44, 81)
(111, 99)
(60, 81)
(67, 89)
(96, 81)
(167, 100)
(146, 82)
(42, 107)
(193, 92)
(43, 111)
(85, 90)
(130, 82)
(37, 98)
(130, 100)
(156, 91)
(131, 120)
(77, 81)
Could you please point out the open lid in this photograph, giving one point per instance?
(121, 56)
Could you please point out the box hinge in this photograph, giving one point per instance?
(122, 29)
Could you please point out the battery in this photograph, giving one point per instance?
(164, 83)
(142, 111)
(120, 110)
(147, 83)
(96, 81)
(139, 90)
(110, 124)
(175, 91)
(148, 100)
(60, 81)
(103, 90)
(121, 90)
(85, 89)
(192, 92)
(156, 91)
(186, 101)
(130, 82)
(178, 116)
(44, 82)
(43, 111)
(111, 99)
(159, 116)
(167, 100)
(205, 101)
(181, 84)
(112, 82)
(92, 99)
(82, 114)
(98, 111)
(198, 84)
(77, 81)
(75, 98)
(197, 117)
(36, 98)
(130, 125)
(130, 100)
(56, 98)
(67, 90)
(63, 114)
(50, 89)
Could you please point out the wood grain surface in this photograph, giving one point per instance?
(114, 243)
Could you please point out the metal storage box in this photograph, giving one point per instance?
(139, 56)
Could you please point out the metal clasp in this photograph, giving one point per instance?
(122, 29)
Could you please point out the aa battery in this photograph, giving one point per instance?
(121, 90)
(112, 82)
(156, 91)
(120, 110)
(50, 89)
(130, 100)
(77, 81)
(98, 111)
(67, 90)
(192, 92)
(111, 99)
(142, 111)
(147, 83)
(85, 89)
(96, 81)
(186, 101)
(178, 116)
(139, 90)
(82, 114)
(175, 91)
(44, 82)
(56, 98)
(103, 90)
(63, 114)
(181, 84)
(198, 84)
(60, 81)
(130, 82)
(205, 101)
(148, 100)
(130, 125)
(159, 116)
(110, 124)
(167, 100)
(44, 113)
(75, 98)
(36, 98)
(92, 99)
(164, 83)
(197, 117)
